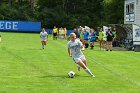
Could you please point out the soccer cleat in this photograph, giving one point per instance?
(92, 76)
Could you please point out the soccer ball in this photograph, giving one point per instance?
(71, 74)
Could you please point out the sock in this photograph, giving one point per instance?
(78, 66)
(88, 71)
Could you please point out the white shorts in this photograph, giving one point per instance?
(80, 58)
(43, 39)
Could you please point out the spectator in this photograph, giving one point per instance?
(109, 35)
(101, 38)
(55, 31)
(92, 38)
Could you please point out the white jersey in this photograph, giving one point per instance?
(75, 48)
(43, 35)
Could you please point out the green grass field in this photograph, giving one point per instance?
(26, 68)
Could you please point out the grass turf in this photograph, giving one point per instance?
(26, 68)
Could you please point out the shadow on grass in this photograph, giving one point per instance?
(62, 76)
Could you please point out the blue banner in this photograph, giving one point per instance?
(20, 26)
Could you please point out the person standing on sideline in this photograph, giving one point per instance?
(86, 35)
(92, 38)
(82, 38)
(109, 36)
(43, 37)
(101, 38)
(74, 50)
(65, 33)
(55, 31)
(114, 37)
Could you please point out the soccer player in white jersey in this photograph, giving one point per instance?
(74, 50)
(43, 37)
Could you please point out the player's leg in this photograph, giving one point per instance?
(86, 44)
(53, 36)
(85, 62)
(110, 45)
(80, 63)
(107, 45)
(78, 66)
(45, 42)
(42, 44)
(91, 44)
(102, 43)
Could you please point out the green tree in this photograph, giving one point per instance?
(69, 13)
(113, 11)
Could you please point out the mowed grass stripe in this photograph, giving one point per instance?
(53, 64)
(101, 64)
(32, 65)
(121, 79)
(118, 62)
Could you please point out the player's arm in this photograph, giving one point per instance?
(81, 45)
(47, 37)
(69, 52)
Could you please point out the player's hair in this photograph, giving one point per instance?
(71, 34)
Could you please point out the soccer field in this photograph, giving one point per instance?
(26, 68)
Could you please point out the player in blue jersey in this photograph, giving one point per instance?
(92, 38)
(86, 37)
(74, 50)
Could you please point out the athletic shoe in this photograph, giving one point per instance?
(83, 48)
(92, 76)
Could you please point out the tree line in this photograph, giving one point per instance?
(66, 13)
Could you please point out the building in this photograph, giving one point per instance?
(132, 21)
(132, 12)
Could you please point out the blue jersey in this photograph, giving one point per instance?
(93, 37)
(86, 35)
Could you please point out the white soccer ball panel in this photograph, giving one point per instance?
(71, 74)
